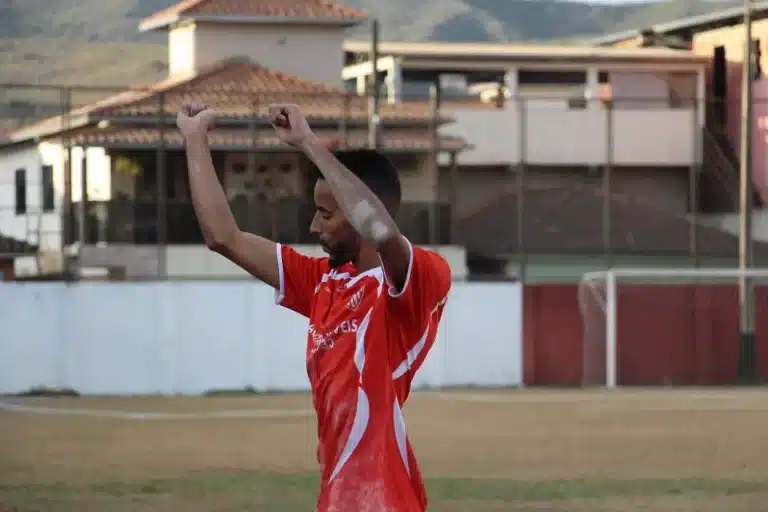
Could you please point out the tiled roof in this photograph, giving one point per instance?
(303, 9)
(11, 246)
(568, 219)
(239, 88)
(116, 136)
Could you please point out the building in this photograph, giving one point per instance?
(494, 142)
(121, 160)
(597, 130)
(719, 37)
(506, 97)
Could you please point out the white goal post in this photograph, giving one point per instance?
(598, 299)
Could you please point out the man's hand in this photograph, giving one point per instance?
(195, 119)
(290, 124)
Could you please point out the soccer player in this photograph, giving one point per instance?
(374, 304)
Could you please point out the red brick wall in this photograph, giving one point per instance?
(670, 334)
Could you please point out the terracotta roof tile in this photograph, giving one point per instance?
(115, 136)
(238, 88)
(319, 9)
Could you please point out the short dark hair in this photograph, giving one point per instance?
(375, 170)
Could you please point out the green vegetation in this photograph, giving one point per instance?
(265, 491)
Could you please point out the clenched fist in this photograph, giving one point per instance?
(195, 119)
(290, 124)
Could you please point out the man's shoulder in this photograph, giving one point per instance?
(428, 253)
(304, 258)
(432, 262)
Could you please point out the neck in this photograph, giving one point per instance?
(367, 258)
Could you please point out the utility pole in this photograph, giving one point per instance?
(747, 365)
(374, 134)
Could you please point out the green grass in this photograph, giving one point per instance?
(270, 491)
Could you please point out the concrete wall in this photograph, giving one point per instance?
(310, 52)
(552, 133)
(190, 338)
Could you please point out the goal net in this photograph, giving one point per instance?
(667, 326)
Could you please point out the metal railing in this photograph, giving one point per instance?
(499, 210)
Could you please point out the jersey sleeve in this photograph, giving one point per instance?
(299, 276)
(426, 286)
(416, 309)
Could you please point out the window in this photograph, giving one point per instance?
(21, 191)
(757, 71)
(47, 187)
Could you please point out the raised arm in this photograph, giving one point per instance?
(255, 254)
(363, 210)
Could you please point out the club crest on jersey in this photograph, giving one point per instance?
(355, 301)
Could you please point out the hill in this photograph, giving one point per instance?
(500, 20)
(70, 41)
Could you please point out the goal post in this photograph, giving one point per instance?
(650, 296)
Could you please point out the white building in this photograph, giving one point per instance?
(554, 121)
(239, 62)
(623, 106)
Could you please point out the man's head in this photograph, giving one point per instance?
(338, 238)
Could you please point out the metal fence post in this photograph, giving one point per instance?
(162, 193)
(520, 186)
(434, 164)
(607, 186)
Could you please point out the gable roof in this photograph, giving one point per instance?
(254, 11)
(686, 26)
(568, 219)
(238, 89)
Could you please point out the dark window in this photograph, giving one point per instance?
(544, 77)
(47, 186)
(21, 191)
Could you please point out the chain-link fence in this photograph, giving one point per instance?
(501, 177)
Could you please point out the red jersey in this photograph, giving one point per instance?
(365, 344)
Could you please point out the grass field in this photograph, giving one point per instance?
(534, 450)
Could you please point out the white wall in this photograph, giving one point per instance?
(310, 52)
(189, 338)
(38, 227)
(20, 227)
(549, 133)
(181, 49)
(639, 90)
(185, 261)
(32, 158)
